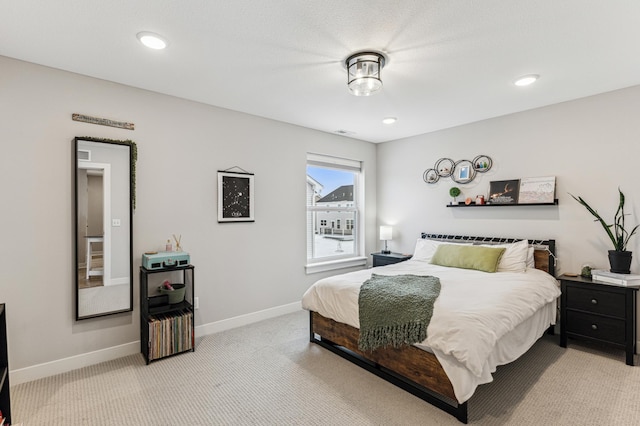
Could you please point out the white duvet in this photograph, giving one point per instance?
(480, 320)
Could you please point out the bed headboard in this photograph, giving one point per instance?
(544, 253)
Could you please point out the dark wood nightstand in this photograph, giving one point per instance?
(381, 259)
(599, 312)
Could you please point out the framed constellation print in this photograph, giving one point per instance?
(235, 197)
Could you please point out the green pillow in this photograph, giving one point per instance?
(468, 257)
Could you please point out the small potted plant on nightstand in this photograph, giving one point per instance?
(454, 192)
(619, 257)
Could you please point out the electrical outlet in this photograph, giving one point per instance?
(196, 303)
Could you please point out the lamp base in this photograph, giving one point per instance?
(385, 251)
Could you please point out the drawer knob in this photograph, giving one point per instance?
(594, 301)
(594, 326)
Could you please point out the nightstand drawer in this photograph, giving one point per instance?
(596, 301)
(381, 261)
(596, 327)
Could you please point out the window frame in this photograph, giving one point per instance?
(356, 258)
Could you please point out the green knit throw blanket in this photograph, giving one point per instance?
(395, 310)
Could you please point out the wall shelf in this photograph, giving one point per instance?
(462, 204)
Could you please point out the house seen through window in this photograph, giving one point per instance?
(332, 208)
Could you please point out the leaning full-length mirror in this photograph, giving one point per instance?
(103, 228)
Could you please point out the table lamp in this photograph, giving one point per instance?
(386, 233)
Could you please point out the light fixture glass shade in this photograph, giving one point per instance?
(363, 73)
(386, 233)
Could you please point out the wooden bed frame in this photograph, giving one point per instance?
(412, 369)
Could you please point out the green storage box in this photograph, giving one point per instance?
(176, 295)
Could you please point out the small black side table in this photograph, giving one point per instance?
(600, 312)
(381, 259)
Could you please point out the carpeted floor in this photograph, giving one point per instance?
(269, 374)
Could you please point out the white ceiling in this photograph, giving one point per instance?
(450, 61)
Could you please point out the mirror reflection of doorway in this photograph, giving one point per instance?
(91, 226)
(94, 231)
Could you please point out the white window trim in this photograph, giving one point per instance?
(336, 162)
(352, 262)
(358, 259)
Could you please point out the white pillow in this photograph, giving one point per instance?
(514, 258)
(425, 248)
(531, 261)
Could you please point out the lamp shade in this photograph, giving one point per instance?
(386, 233)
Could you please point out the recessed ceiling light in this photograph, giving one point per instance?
(389, 120)
(152, 40)
(526, 80)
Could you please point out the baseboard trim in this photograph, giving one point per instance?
(239, 321)
(64, 365)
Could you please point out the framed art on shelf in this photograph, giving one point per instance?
(504, 191)
(235, 197)
(537, 190)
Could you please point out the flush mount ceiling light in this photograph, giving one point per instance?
(363, 72)
(526, 80)
(152, 40)
(389, 120)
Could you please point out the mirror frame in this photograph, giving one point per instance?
(132, 151)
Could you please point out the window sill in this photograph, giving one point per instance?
(314, 268)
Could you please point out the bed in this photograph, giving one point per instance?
(480, 319)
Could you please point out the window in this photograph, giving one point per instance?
(333, 212)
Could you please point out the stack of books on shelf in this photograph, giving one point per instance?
(170, 334)
(605, 276)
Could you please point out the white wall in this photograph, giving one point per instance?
(241, 268)
(591, 145)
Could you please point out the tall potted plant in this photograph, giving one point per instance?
(619, 257)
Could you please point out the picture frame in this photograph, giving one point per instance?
(537, 190)
(504, 191)
(464, 172)
(235, 197)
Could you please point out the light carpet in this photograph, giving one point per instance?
(269, 374)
